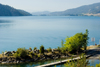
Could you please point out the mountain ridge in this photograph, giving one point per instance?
(92, 8)
(6, 10)
(85, 10)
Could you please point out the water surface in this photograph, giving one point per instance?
(34, 31)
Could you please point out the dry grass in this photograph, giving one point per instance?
(5, 56)
(2, 56)
(92, 46)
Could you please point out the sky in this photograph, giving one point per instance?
(46, 5)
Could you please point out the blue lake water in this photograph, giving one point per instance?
(34, 31)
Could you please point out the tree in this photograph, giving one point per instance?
(49, 50)
(86, 39)
(21, 52)
(76, 42)
(42, 49)
(62, 43)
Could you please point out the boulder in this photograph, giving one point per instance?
(8, 53)
(36, 51)
(53, 50)
(13, 52)
(4, 59)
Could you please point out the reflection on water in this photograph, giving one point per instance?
(92, 62)
(31, 64)
(5, 23)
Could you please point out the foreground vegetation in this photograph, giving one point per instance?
(80, 63)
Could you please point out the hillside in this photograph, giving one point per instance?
(6, 10)
(83, 10)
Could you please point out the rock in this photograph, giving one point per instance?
(4, 59)
(46, 51)
(8, 53)
(7, 62)
(36, 51)
(4, 62)
(53, 50)
(13, 52)
(14, 61)
(17, 61)
(0, 59)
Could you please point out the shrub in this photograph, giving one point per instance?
(35, 48)
(30, 49)
(49, 50)
(79, 63)
(63, 50)
(35, 54)
(38, 55)
(31, 54)
(21, 52)
(59, 49)
(42, 49)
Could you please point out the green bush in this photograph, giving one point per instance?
(59, 49)
(79, 63)
(30, 49)
(42, 49)
(21, 52)
(63, 50)
(49, 50)
(38, 55)
(35, 48)
(31, 54)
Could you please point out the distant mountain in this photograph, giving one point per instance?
(83, 10)
(41, 13)
(6, 10)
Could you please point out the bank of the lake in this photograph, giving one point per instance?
(44, 59)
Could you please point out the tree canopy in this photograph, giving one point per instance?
(76, 42)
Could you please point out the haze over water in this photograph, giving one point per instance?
(34, 31)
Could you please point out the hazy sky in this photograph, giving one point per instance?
(46, 5)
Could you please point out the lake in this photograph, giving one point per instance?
(34, 31)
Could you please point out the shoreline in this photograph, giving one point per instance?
(44, 57)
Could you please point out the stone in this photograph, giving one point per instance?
(4, 59)
(8, 53)
(36, 51)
